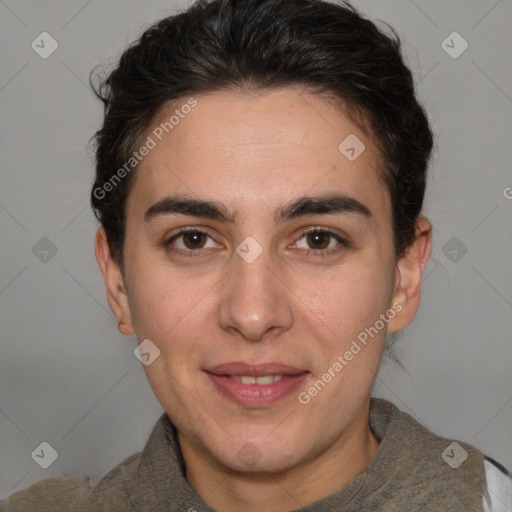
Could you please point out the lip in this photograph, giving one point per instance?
(255, 395)
(257, 370)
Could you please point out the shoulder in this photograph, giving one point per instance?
(57, 494)
(441, 470)
(113, 492)
(50, 494)
(499, 487)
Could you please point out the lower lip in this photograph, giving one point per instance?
(254, 394)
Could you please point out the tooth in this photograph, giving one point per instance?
(265, 379)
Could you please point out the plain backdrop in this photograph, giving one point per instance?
(68, 378)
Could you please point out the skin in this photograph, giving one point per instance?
(255, 153)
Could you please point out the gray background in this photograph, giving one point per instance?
(69, 378)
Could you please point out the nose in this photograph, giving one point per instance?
(255, 301)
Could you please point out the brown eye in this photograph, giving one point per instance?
(320, 239)
(189, 242)
(321, 242)
(194, 239)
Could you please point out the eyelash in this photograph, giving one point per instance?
(311, 253)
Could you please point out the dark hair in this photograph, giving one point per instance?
(263, 45)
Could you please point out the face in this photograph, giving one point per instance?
(262, 286)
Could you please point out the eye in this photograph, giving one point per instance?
(193, 241)
(326, 242)
(189, 241)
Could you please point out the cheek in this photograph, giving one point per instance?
(168, 307)
(344, 303)
(170, 311)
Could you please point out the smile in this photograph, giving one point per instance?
(261, 381)
(255, 385)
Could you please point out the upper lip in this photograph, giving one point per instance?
(258, 370)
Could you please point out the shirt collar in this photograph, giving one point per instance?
(160, 483)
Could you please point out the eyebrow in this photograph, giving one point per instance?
(306, 205)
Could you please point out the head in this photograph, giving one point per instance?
(285, 137)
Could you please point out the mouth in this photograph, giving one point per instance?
(261, 381)
(255, 385)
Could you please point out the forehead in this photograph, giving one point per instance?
(255, 152)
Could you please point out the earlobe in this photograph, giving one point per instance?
(114, 283)
(409, 272)
(123, 328)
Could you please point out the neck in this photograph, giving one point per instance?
(229, 491)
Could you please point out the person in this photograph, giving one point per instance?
(260, 175)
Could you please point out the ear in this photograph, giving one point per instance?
(408, 275)
(116, 291)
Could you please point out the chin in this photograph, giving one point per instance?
(260, 457)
